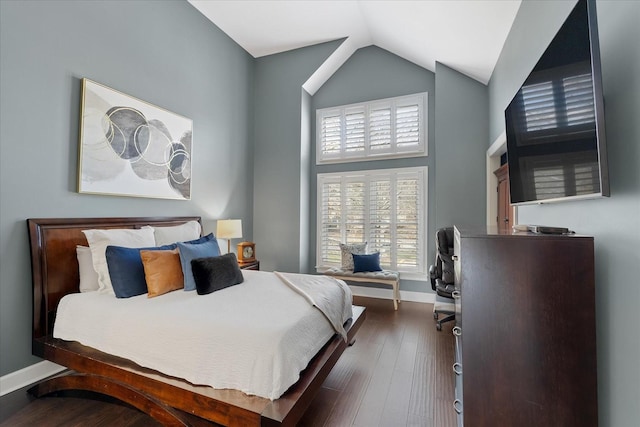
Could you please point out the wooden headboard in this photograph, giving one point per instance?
(54, 262)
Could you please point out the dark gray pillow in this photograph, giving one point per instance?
(214, 273)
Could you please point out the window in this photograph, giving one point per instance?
(386, 128)
(384, 207)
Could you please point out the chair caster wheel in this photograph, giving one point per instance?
(435, 316)
(438, 326)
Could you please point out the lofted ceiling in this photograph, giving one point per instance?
(466, 35)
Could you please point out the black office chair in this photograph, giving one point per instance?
(442, 277)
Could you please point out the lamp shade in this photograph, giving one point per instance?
(229, 229)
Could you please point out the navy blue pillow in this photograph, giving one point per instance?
(365, 263)
(127, 271)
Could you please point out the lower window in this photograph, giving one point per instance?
(385, 208)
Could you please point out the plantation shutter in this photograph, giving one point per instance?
(408, 124)
(331, 134)
(408, 208)
(330, 221)
(380, 128)
(354, 141)
(394, 127)
(381, 218)
(385, 208)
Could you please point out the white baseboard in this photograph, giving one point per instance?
(363, 291)
(27, 376)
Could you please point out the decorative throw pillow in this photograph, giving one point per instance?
(178, 233)
(365, 263)
(347, 251)
(100, 239)
(215, 273)
(162, 271)
(190, 252)
(88, 276)
(202, 239)
(127, 271)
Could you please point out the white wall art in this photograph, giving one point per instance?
(129, 147)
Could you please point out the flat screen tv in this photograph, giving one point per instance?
(556, 146)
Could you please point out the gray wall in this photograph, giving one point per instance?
(278, 153)
(372, 73)
(461, 132)
(614, 222)
(163, 52)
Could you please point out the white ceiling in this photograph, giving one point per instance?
(466, 35)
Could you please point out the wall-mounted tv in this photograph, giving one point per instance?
(555, 132)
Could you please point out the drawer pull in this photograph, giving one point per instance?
(457, 406)
(455, 294)
(457, 331)
(455, 257)
(457, 368)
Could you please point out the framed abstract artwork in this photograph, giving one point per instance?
(129, 147)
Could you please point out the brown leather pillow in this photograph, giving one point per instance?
(162, 271)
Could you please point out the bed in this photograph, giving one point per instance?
(168, 399)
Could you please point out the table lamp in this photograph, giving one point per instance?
(229, 229)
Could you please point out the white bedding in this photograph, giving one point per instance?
(255, 337)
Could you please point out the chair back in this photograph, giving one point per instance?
(444, 254)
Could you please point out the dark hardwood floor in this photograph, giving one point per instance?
(398, 373)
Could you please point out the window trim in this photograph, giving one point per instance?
(421, 271)
(394, 152)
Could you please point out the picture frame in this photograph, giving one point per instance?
(129, 147)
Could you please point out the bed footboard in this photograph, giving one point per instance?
(162, 413)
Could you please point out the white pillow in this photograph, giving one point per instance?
(178, 233)
(88, 276)
(100, 239)
(347, 250)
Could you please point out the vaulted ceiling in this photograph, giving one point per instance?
(466, 35)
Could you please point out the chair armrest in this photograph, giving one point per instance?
(444, 289)
(433, 275)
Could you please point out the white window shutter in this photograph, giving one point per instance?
(354, 128)
(385, 208)
(330, 130)
(388, 128)
(330, 221)
(380, 128)
(408, 126)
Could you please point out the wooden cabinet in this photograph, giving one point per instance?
(526, 344)
(505, 211)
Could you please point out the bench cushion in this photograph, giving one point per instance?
(380, 275)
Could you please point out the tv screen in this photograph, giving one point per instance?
(555, 122)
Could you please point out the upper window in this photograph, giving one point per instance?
(386, 128)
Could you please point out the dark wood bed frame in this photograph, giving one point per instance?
(170, 400)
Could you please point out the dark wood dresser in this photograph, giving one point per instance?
(525, 329)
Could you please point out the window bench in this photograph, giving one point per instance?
(385, 277)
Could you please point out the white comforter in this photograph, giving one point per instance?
(255, 337)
